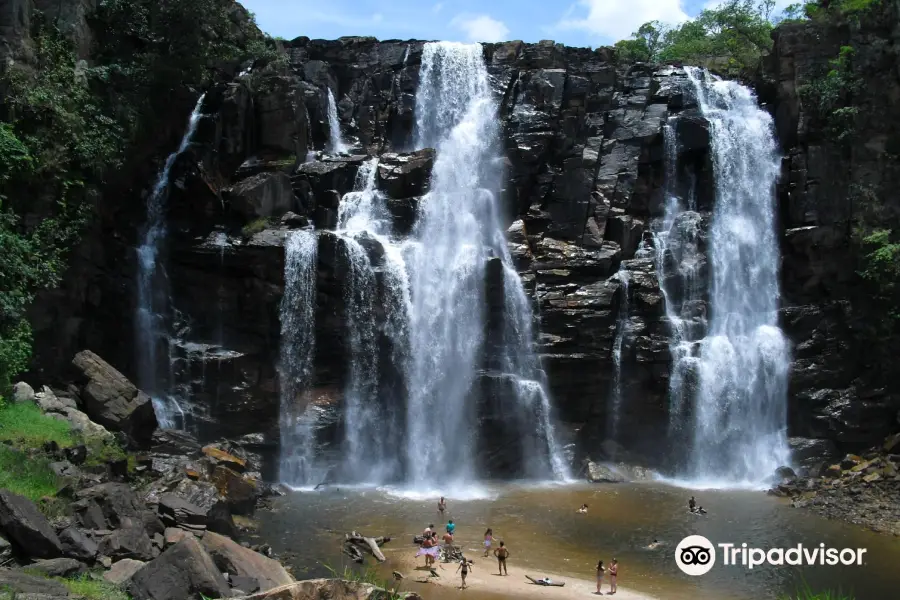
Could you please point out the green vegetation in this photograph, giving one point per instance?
(23, 425)
(29, 476)
(370, 576)
(92, 587)
(67, 128)
(806, 593)
(828, 10)
(255, 226)
(830, 96)
(729, 38)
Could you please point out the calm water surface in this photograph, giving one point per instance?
(544, 532)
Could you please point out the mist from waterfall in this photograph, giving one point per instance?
(458, 231)
(153, 292)
(336, 143)
(299, 418)
(740, 404)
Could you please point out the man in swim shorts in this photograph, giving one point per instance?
(502, 553)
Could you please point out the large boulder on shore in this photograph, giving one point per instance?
(109, 506)
(182, 572)
(24, 525)
(37, 587)
(325, 589)
(113, 401)
(234, 559)
(196, 506)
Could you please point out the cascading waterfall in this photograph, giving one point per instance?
(370, 409)
(457, 232)
(336, 143)
(153, 293)
(740, 412)
(621, 329)
(298, 465)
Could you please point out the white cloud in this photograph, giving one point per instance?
(615, 20)
(481, 28)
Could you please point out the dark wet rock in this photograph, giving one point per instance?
(180, 573)
(23, 525)
(196, 506)
(128, 542)
(109, 506)
(169, 441)
(264, 195)
(406, 175)
(112, 400)
(240, 491)
(292, 220)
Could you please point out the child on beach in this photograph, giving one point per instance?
(488, 538)
(463, 570)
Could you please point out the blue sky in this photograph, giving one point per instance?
(572, 22)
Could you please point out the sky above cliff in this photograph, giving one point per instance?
(572, 22)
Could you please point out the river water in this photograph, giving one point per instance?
(545, 533)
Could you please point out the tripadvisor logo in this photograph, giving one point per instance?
(696, 555)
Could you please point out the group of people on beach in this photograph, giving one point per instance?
(613, 571)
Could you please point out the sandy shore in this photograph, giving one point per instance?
(483, 578)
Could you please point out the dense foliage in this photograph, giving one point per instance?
(730, 37)
(65, 127)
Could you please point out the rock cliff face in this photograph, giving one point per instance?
(586, 165)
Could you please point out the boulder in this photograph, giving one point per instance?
(22, 392)
(178, 443)
(57, 567)
(238, 561)
(406, 175)
(109, 506)
(173, 535)
(128, 542)
(6, 549)
(241, 492)
(180, 573)
(263, 195)
(292, 220)
(51, 403)
(76, 544)
(245, 585)
(196, 506)
(24, 525)
(598, 473)
(325, 589)
(219, 456)
(113, 401)
(121, 572)
(22, 583)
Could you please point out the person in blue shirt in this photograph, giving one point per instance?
(451, 527)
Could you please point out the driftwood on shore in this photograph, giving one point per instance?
(355, 544)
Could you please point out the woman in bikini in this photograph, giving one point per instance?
(600, 571)
(488, 538)
(613, 573)
(442, 506)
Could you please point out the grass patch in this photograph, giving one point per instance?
(806, 593)
(25, 426)
(255, 226)
(90, 588)
(29, 476)
(369, 575)
(102, 450)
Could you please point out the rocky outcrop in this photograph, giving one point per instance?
(238, 561)
(112, 400)
(325, 589)
(23, 583)
(180, 573)
(24, 525)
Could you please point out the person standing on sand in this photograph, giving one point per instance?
(463, 570)
(442, 506)
(600, 571)
(502, 553)
(613, 574)
(488, 538)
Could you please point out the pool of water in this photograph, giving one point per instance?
(544, 532)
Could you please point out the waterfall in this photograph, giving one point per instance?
(621, 330)
(153, 293)
(298, 417)
(336, 143)
(457, 232)
(370, 408)
(740, 412)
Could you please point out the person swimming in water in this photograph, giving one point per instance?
(692, 504)
(701, 511)
(654, 545)
(583, 509)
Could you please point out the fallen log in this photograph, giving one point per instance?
(368, 544)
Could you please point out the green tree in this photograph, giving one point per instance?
(644, 44)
